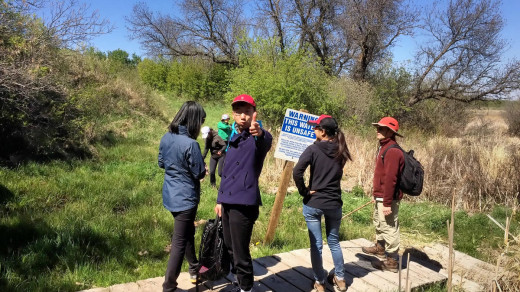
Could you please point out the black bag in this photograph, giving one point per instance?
(412, 176)
(213, 256)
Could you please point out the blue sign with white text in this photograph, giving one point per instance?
(296, 135)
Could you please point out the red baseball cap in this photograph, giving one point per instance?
(324, 121)
(244, 98)
(390, 123)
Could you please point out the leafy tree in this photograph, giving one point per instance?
(119, 56)
(278, 82)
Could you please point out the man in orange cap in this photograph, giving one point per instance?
(387, 196)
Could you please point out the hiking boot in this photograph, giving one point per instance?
(318, 287)
(389, 264)
(378, 249)
(341, 284)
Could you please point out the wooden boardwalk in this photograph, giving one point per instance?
(291, 271)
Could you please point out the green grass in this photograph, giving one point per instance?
(71, 225)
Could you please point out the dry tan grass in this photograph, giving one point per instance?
(481, 170)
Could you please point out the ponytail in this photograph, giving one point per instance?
(342, 154)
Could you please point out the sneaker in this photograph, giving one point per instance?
(237, 289)
(318, 287)
(333, 280)
(193, 278)
(389, 264)
(378, 250)
(342, 286)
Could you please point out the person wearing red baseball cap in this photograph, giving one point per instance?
(238, 200)
(387, 196)
(322, 198)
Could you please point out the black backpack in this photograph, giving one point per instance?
(213, 256)
(412, 176)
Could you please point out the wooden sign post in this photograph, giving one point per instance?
(278, 201)
(294, 138)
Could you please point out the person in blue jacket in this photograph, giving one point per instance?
(322, 197)
(238, 198)
(181, 159)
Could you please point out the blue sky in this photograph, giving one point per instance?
(116, 10)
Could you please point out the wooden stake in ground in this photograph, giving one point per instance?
(450, 239)
(400, 270)
(408, 282)
(278, 201)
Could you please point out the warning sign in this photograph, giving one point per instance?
(295, 136)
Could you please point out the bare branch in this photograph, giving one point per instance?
(208, 28)
(462, 59)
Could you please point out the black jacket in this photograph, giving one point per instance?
(326, 173)
(214, 145)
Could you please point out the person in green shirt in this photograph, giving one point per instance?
(224, 129)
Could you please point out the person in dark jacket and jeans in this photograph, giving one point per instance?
(322, 197)
(180, 156)
(387, 196)
(238, 198)
(217, 147)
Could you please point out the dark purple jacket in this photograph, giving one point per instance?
(242, 167)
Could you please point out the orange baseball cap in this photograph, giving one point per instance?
(390, 123)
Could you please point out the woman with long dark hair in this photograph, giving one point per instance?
(181, 159)
(326, 157)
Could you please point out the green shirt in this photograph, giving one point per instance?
(224, 130)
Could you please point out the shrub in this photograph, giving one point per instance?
(351, 101)
(445, 117)
(154, 73)
(512, 116)
(197, 79)
(37, 119)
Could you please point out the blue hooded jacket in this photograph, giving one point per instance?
(242, 167)
(183, 165)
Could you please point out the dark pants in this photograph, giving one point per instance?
(213, 162)
(183, 239)
(238, 222)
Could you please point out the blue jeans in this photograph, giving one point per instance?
(332, 223)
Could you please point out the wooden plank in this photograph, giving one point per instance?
(151, 285)
(361, 273)
(286, 273)
(271, 280)
(218, 285)
(419, 274)
(352, 280)
(183, 282)
(257, 286)
(462, 283)
(300, 265)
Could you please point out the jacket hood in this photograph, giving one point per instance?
(183, 130)
(328, 148)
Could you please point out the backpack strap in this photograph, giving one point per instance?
(390, 147)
